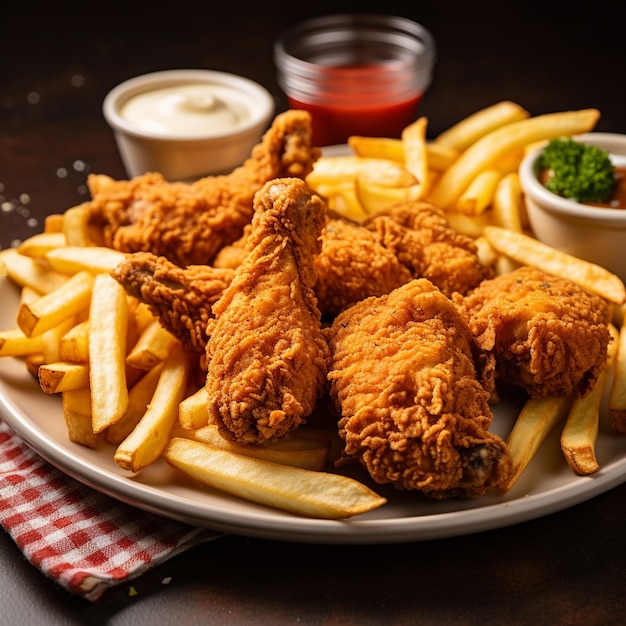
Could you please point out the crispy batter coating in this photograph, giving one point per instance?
(267, 357)
(420, 236)
(540, 332)
(190, 223)
(182, 298)
(412, 410)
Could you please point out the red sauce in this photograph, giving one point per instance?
(345, 105)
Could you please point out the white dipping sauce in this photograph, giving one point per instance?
(187, 110)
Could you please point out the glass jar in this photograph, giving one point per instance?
(356, 74)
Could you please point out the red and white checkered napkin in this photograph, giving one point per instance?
(82, 539)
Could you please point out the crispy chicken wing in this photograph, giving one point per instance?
(420, 236)
(412, 410)
(189, 223)
(182, 298)
(540, 332)
(267, 356)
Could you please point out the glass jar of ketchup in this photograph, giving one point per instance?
(356, 74)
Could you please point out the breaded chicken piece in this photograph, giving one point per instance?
(353, 265)
(412, 410)
(267, 357)
(540, 332)
(422, 239)
(182, 298)
(189, 223)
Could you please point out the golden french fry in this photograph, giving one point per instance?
(94, 259)
(51, 340)
(529, 251)
(536, 419)
(63, 376)
(148, 439)
(108, 327)
(38, 245)
(487, 255)
(77, 414)
(139, 397)
(300, 491)
(439, 157)
(479, 194)
(488, 149)
(28, 272)
(416, 156)
(13, 342)
(192, 411)
(76, 226)
(579, 436)
(470, 225)
(66, 301)
(375, 198)
(344, 201)
(341, 168)
(53, 223)
(470, 129)
(74, 344)
(312, 457)
(617, 395)
(508, 202)
(152, 347)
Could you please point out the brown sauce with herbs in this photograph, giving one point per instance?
(617, 200)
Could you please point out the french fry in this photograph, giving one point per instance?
(152, 347)
(470, 129)
(508, 203)
(76, 226)
(617, 395)
(192, 411)
(536, 420)
(148, 439)
(342, 168)
(108, 327)
(480, 192)
(312, 456)
(488, 149)
(94, 259)
(77, 414)
(529, 251)
(51, 340)
(13, 342)
(439, 157)
(416, 155)
(66, 301)
(74, 344)
(53, 223)
(375, 198)
(300, 491)
(28, 272)
(579, 436)
(139, 397)
(38, 245)
(63, 376)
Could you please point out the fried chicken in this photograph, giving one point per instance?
(190, 223)
(182, 298)
(420, 236)
(537, 331)
(412, 410)
(267, 356)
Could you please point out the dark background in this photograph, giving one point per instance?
(57, 62)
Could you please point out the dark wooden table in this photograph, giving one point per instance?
(56, 65)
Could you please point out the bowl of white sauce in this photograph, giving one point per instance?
(187, 124)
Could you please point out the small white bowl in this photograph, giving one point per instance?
(178, 152)
(592, 233)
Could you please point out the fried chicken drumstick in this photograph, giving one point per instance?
(412, 410)
(267, 356)
(190, 223)
(540, 332)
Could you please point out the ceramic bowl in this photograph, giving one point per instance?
(187, 124)
(588, 232)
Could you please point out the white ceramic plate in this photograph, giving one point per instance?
(546, 486)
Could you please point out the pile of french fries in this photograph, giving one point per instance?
(125, 380)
